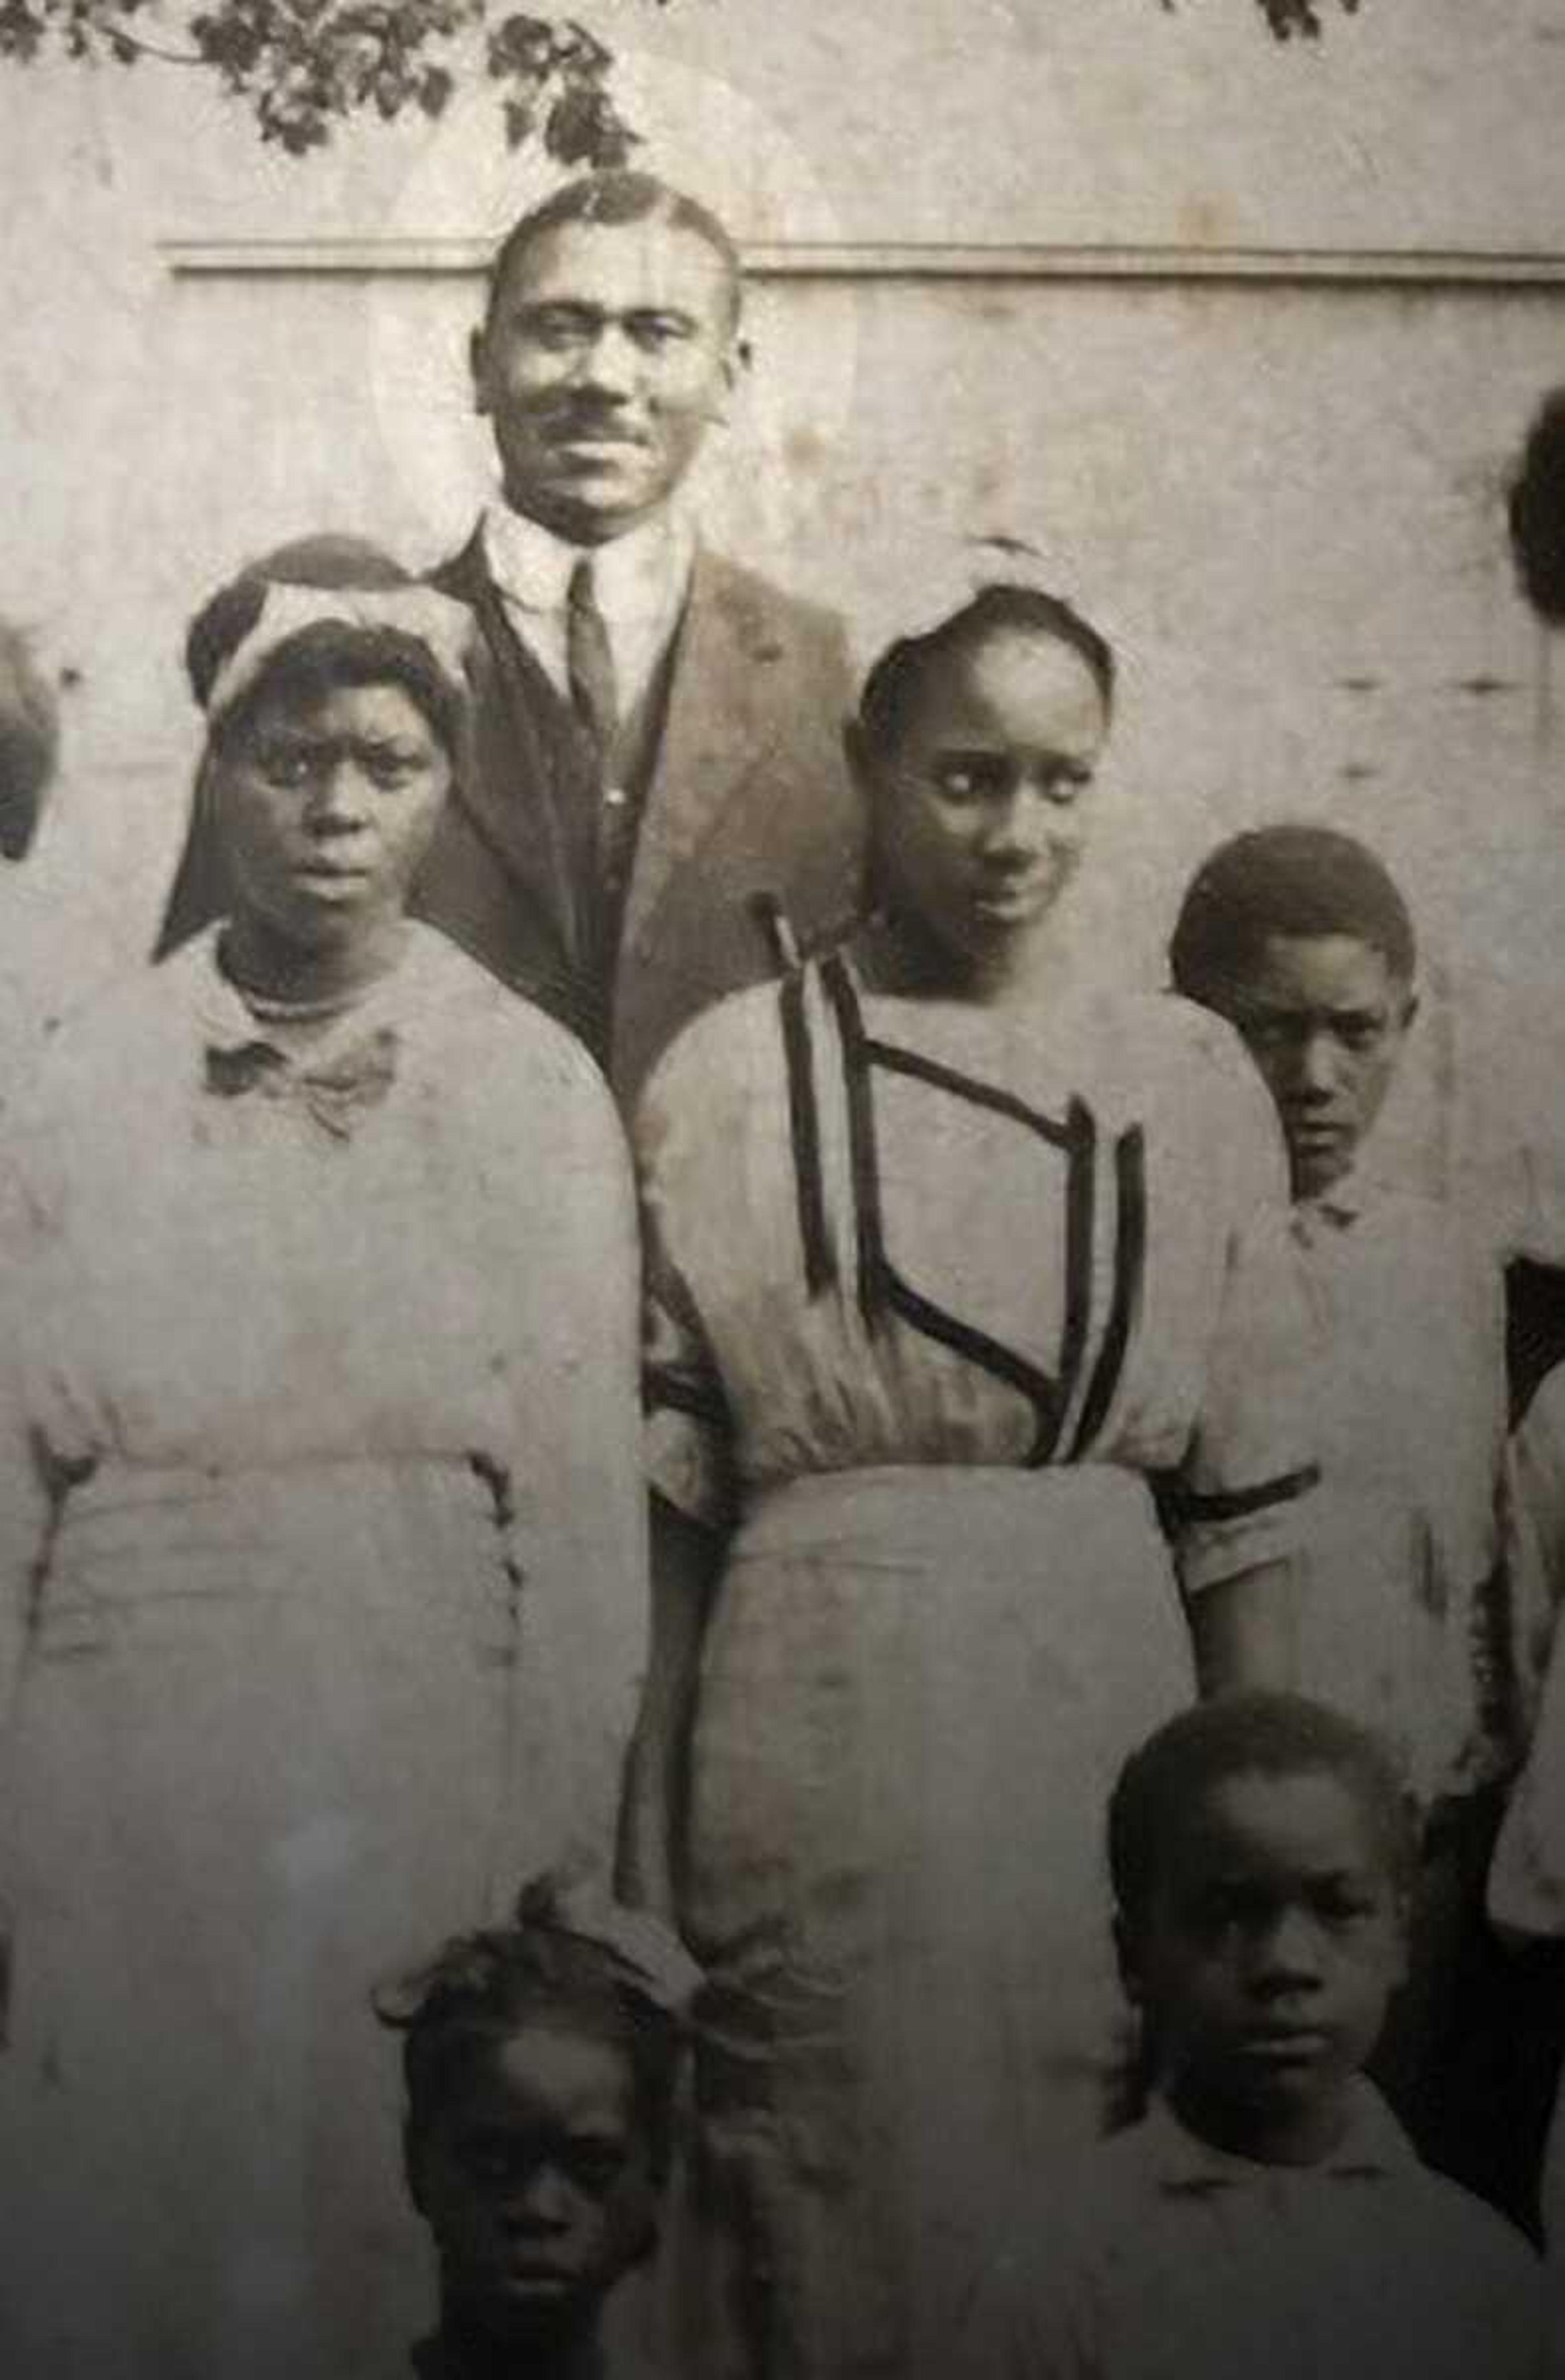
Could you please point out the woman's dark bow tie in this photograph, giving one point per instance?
(332, 1095)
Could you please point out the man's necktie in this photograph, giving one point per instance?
(590, 661)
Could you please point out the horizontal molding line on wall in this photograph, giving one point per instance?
(806, 261)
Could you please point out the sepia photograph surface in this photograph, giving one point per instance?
(781, 1190)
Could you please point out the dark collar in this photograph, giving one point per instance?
(439, 2359)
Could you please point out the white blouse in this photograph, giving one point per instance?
(893, 1231)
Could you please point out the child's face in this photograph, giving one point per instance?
(534, 2176)
(1325, 1019)
(1265, 1958)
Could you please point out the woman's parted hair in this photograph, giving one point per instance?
(999, 609)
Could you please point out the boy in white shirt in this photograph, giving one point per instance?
(1301, 939)
(1268, 2215)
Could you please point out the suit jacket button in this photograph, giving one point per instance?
(614, 796)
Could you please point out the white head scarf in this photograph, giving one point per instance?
(315, 581)
(442, 625)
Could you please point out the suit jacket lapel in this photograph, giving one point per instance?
(720, 722)
(514, 796)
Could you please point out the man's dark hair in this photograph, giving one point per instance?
(618, 196)
(1300, 880)
(1248, 1734)
(999, 609)
(484, 1987)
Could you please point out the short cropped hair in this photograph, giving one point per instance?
(1000, 609)
(1248, 1734)
(616, 196)
(483, 1989)
(1304, 880)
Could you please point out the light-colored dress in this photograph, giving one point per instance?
(1403, 1619)
(937, 1294)
(323, 1608)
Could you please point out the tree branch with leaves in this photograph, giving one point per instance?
(304, 67)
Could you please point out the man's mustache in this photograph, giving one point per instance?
(593, 422)
(606, 422)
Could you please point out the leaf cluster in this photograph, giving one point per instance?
(1302, 18)
(303, 67)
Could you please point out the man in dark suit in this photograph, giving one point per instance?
(658, 730)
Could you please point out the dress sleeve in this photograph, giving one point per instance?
(1236, 1499)
(1527, 1879)
(1535, 1536)
(1482, 1573)
(29, 1230)
(580, 1526)
(688, 1435)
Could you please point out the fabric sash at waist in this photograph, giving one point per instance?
(893, 1517)
(134, 1533)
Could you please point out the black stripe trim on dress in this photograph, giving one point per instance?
(664, 1390)
(966, 1339)
(1130, 1272)
(863, 1161)
(1081, 1208)
(1077, 1137)
(1236, 1504)
(897, 1061)
(803, 1125)
(881, 1287)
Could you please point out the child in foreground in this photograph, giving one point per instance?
(1267, 2219)
(539, 2061)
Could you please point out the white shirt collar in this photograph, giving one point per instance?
(1372, 2143)
(1340, 1205)
(1363, 1190)
(638, 577)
